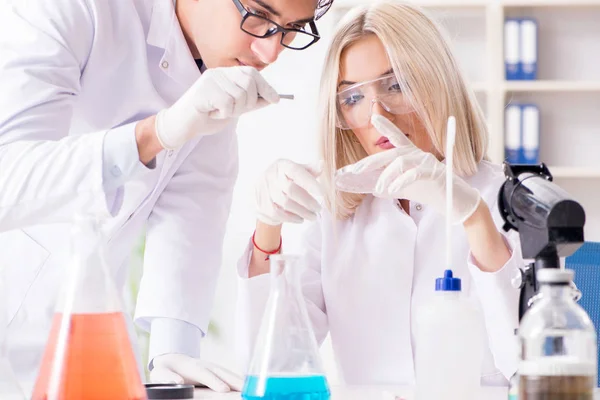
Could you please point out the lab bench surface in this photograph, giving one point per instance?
(358, 393)
(365, 393)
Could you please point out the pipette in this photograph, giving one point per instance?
(450, 138)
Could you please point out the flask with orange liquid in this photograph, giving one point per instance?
(89, 354)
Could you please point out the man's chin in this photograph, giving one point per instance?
(230, 63)
(208, 63)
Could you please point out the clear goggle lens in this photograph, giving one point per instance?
(355, 103)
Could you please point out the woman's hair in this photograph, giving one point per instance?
(430, 80)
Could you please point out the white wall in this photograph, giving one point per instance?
(288, 131)
(285, 130)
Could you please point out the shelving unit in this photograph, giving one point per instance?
(574, 172)
(551, 86)
(344, 5)
(567, 91)
(479, 87)
(568, 36)
(549, 3)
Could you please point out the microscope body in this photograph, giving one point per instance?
(550, 223)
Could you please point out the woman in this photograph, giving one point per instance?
(389, 85)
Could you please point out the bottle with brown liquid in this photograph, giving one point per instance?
(558, 344)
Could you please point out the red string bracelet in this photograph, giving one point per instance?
(268, 253)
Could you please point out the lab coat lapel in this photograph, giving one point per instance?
(165, 32)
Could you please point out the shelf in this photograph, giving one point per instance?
(550, 3)
(479, 87)
(346, 4)
(568, 57)
(551, 86)
(574, 172)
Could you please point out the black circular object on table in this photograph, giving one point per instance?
(169, 391)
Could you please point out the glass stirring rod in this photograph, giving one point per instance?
(450, 139)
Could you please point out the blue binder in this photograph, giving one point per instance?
(512, 133)
(512, 56)
(530, 134)
(528, 48)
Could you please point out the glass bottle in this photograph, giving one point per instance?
(558, 343)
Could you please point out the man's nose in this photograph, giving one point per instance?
(268, 49)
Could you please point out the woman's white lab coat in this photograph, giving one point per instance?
(73, 73)
(366, 283)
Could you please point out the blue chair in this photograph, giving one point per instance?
(586, 264)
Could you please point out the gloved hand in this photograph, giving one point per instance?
(288, 192)
(217, 96)
(182, 369)
(409, 173)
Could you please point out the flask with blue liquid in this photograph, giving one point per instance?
(286, 364)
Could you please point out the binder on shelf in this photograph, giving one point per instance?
(530, 149)
(512, 137)
(528, 48)
(512, 57)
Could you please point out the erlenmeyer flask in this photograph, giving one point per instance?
(286, 364)
(9, 387)
(89, 354)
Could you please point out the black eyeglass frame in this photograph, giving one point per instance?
(245, 14)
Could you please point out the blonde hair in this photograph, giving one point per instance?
(429, 77)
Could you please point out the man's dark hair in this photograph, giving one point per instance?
(322, 7)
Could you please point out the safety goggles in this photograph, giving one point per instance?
(355, 103)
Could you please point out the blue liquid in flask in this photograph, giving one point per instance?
(312, 387)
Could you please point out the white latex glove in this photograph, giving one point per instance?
(407, 172)
(182, 369)
(288, 192)
(207, 107)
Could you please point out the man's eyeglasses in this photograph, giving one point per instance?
(297, 38)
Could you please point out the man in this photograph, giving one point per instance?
(127, 109)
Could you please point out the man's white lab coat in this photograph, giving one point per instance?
(368, 277)
(75, 77)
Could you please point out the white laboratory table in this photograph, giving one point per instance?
(364, 393)
(358, 393)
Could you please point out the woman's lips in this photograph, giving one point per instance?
(384, 143)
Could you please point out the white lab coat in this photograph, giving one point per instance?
(73, 72)
(366, 282)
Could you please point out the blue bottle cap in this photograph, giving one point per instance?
(448, 282)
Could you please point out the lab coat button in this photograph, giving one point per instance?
(115, 171)
(419, 207)
(165, 64)
(170, 153)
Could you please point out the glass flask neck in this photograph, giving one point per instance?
(285, 271)
(89, 285)
(556, 292)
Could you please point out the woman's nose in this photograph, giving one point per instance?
(378, 108)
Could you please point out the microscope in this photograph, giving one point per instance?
(550, 223)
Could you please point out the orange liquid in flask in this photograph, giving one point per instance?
(98, 364)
